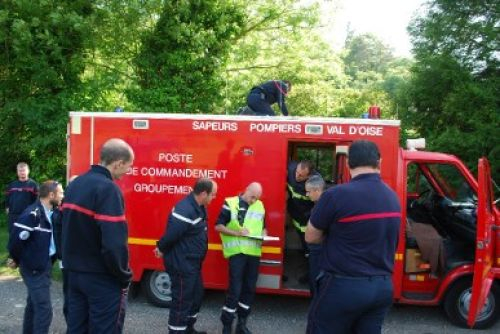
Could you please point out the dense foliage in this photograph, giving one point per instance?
(204, 56)
(41, 59)
(453, 98)
(179, 63)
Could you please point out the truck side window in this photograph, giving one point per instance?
(417, 183)
(452, 183)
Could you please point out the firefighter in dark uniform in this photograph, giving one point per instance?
(241, 217)
(315, 186)
(32, 247)
(263, 96)
(95, 244)
(20, 194)
(183, 248)
(299, 205)
(359, 222)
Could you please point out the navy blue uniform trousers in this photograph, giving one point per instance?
(314, 259)
(96, 303)
(38, 311)
(344, 305)
(187, 294)
(243, 274)
(259, 105)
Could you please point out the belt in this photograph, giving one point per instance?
(362, 278)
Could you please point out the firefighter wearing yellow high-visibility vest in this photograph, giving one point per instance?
(241, 220)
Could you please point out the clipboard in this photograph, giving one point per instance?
(260, 237)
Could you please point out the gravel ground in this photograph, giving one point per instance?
(272, 314)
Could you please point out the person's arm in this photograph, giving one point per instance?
(21, 232)
(110, 218)
(313, 235)
(282, 92)
(282, 105)
(34, 195)
(223, 220)
(178, 223)
(236, 233)
(320, 219)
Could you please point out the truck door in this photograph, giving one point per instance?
(483, 276)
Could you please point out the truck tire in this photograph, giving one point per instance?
(158, 288)
(457, 302)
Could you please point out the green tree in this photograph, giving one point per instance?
(117, 28)
(453, 95)
(366, 53)
(281, 40)
(41, 59)
(179, 63)
(374, 76)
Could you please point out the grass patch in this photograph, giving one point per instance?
(4, 254)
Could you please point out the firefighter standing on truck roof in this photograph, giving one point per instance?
(241, 217)
(183, 248)
(261, 97)
(299, 205)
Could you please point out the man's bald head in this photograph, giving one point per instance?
(117, 156)
(115, 149)
(252, 193)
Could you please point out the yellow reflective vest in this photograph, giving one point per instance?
(253, 222)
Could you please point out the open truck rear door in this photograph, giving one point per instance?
(483, 275)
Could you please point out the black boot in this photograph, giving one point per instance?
(241, 327)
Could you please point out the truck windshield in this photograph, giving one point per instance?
(452, 183)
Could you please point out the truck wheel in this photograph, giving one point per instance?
(457, 302)
(158, 288)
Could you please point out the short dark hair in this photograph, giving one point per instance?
(363, 153)
(115, 150)
(47, 187)
(307, 164)
(203, 184)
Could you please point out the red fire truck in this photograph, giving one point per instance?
(461, 269)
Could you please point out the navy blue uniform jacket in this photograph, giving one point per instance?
(30, 238)
(274, 91)
(94, 228)
(19, 195)
(185, 241)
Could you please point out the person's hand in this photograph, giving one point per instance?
(244, 232)
(11, 263)
(158, 253)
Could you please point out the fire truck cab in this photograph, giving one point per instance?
(449, 248)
